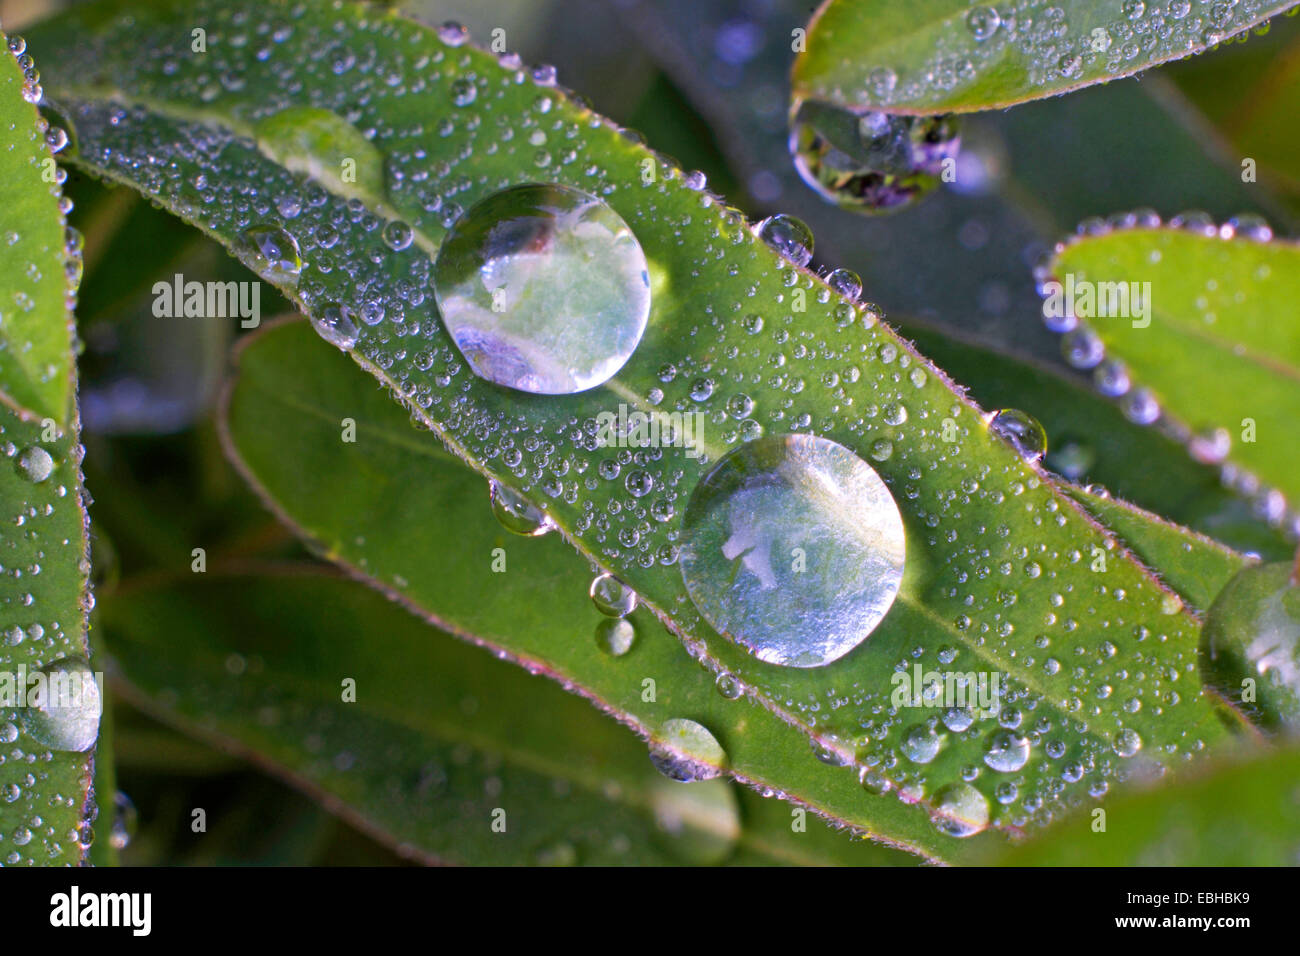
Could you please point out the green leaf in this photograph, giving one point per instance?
(283, 419)
(994, 551)
(1219, 347)
(45, 786)
(439, 741)
(948, 56)
(1090, 441)
(1195, 566)
(1250, 93)
(36, 375)
(1238, 813)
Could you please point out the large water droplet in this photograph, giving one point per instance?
(544, 289)
(1021, 431)
(516, 513)
(960, 810)
(870, 161)
(1251, 642)
(793, 547)
(270, 252)
(64, 708)
(684, 750)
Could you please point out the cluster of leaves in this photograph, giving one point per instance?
(228, 631)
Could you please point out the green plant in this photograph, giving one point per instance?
(970, 648)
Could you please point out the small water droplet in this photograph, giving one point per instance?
(615, 636)
(1021, 431)
(684, 750)
(960, 810)
(612, 597)
(1127, 742)
(788, 236)
(729, 686)
(35, 463)
(125, 820)
(334, 323)
(1007, 752)
(516, 513)
(982, 22)
(920, 744)
(270, 252)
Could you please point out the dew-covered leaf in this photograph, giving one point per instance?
(36, 377)
(47, 729)
(284, 420)
(1195, 566)
(1209, 340)
(1238, 813)
(1091, 442)
(944, 56)
(996, 583)
(423, 741)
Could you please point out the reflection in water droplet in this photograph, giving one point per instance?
(728, 686)
(64, 708)
(35, 463)
(125, 819)
(611, 596)
(960, 810)
(1021, 431)
(615, 636)
(789, 237)
(699, 822)
(870, 161)
(543, 289)
(1127, 742)
(982, 22)
(794, 548)
(684, 750)
(270, 252)
(516, 513)
(334, 323)
(1008, 752)
(920, 744)
(1251, 639)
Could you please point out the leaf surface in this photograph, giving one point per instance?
(941, 56)
(422, 740)
(994, 550)
(1239, 813)
(1220, 350)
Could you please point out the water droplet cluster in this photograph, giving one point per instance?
(1083, 348)
(747, 343)
(45, 809)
